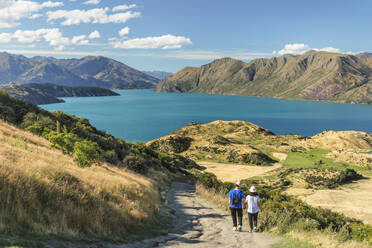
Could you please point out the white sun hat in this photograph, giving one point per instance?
(238, 183)
(253, 189)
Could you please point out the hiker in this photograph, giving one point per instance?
(235, 202)
(254, 206)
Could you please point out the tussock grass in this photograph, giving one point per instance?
(43, 192)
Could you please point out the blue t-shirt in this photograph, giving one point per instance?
(240, 196)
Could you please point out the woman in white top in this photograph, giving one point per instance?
(254, 206)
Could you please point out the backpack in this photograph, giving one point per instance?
(235, 200)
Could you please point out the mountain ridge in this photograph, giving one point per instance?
(311, 76)
(88, 71)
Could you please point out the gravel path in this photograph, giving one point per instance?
(199, 224)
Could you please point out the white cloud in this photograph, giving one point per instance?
(163, 42)
(79, 40)
(294, 49)
(94, 35)
(300, 48)
(328, 49)
(14, 10)
(93, 2)
(97, 15)
(5, 37)
(35, 16)
(123, 7)
(124, 31)
(53, 36)
(51, 4)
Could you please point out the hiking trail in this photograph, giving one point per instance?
(197, 223)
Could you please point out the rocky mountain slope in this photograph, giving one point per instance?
(313, 75)
(88, 71)
(49, 93)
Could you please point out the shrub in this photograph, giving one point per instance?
(135, 163)
(87, 152)
(35, 128)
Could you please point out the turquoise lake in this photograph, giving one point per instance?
(142, 115)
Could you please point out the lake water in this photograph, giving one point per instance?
(142, 115)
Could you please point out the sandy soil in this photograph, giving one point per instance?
(197, 223)
(353, 200)
(234, 172)
(280, 156)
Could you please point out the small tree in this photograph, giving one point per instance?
(35, 128)
(87, 152)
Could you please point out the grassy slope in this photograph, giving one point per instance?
(47, 194)
(44, 192)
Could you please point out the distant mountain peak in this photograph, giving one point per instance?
(87, 71)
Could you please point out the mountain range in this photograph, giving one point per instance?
(88, 71)
(315, 75)
(49, 93)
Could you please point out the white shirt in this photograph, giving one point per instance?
(252, 202)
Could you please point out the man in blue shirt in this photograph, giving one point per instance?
(235, 201)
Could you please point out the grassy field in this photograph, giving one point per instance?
(313, 158)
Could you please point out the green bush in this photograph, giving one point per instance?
(87, 152)
(35, 128)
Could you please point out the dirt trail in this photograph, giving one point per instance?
(199, 224)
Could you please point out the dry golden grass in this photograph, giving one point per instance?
(235, 172)
(216, 198)
(43, 191)
(339, 140)
(354, 200)
(324, 240)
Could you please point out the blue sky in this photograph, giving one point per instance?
(171, 34)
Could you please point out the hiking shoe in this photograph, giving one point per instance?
(250, 231)
(234, 228)
(254, 229)
(239, 228)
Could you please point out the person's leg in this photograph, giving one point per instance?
(255, 220)
(240, 216)
(233, 215)
(250, 217)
